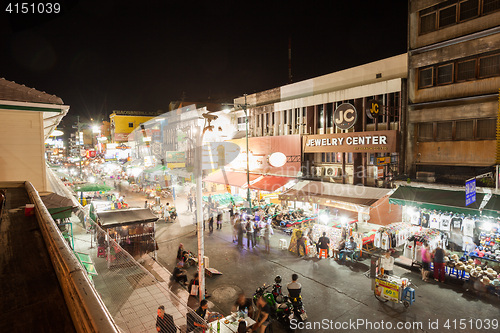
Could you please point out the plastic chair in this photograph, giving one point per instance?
(283, 244)
(323, 252)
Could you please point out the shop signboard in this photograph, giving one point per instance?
(175, 157)
(373, 109)
(470, 191)
(345, 116)
(383, 160)
(387, 290)
(354, 142)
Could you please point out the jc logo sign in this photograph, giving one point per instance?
(345, 116)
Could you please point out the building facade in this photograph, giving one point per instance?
(122, 123)
(28, 118)
(453, 82)
(351, 126)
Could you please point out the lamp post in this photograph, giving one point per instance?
(247, 148)
(248, 154)
(199, 209)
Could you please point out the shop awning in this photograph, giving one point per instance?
(344, 196)
(445, 200)
(270, 183)
(114, 218)
(229, 178)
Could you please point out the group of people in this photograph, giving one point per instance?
(340, 252)
(437, 258)
(254, 227)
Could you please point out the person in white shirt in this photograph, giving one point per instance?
(387, 263)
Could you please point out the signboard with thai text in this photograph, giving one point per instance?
(354, 142)
(470, 191)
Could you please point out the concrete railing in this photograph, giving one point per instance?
(87, 309)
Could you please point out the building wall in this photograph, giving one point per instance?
(22, 148)
(451, 120)
(120, 125)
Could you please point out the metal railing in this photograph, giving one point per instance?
(86, 308)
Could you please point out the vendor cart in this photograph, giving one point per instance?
(395, 289)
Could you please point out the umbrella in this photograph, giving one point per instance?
(92, 187)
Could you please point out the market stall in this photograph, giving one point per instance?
(132, 229)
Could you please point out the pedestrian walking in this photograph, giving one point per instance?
(268, 232)
(165, 322)
(256, 232)
(426, 261)
(249, 227)
(240, 231)
(439, 272)
(219, 221)
(211, 224)
(190, 202)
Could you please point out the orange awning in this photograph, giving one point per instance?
(270, 183)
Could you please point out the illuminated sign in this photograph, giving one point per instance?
(345, 116)
(357, 142)
(277, 159)
(373, 109)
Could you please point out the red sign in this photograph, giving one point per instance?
(90, 153)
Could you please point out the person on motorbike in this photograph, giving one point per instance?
(263, 316)
(243, 303)
(294, 288)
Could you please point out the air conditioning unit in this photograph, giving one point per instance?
(333, 171)
(319, 171)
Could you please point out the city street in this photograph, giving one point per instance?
(331, 291)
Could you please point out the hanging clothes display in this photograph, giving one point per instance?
(468, 227)
(445, 222)
(435, 220)
(393, 235)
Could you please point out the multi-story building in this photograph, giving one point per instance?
(124, 122)
(453, 82)
(350, 125)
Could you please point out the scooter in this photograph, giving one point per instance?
(282, 312)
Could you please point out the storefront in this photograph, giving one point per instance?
(132, 229)
(440, 217)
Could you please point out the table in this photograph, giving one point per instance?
(232, 326)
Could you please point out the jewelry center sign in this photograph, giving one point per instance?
(355, 142)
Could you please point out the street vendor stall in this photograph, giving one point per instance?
(132, 229)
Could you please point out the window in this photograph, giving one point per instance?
(329, 115)
(489, 66)
(372, 159)
(444, 131)
(241, 120)
(445, 74)
(349, 157)
(464, 130)
(447, 16)
(425, 132)
(284, 116)
(425, 77)
(486, 129)
(427, 23)
(320, 116)
(466, 70)
(328, 155)
(323, 157)
(131, 125)
(490, 6)
(468, 9)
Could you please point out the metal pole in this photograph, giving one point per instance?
(199, 215)
(248, 155)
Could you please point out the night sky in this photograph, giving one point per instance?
(100, 56)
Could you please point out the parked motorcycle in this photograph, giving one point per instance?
(281, 311)
(298, 308)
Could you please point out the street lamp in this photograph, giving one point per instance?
(199, 204)
(244, 106)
